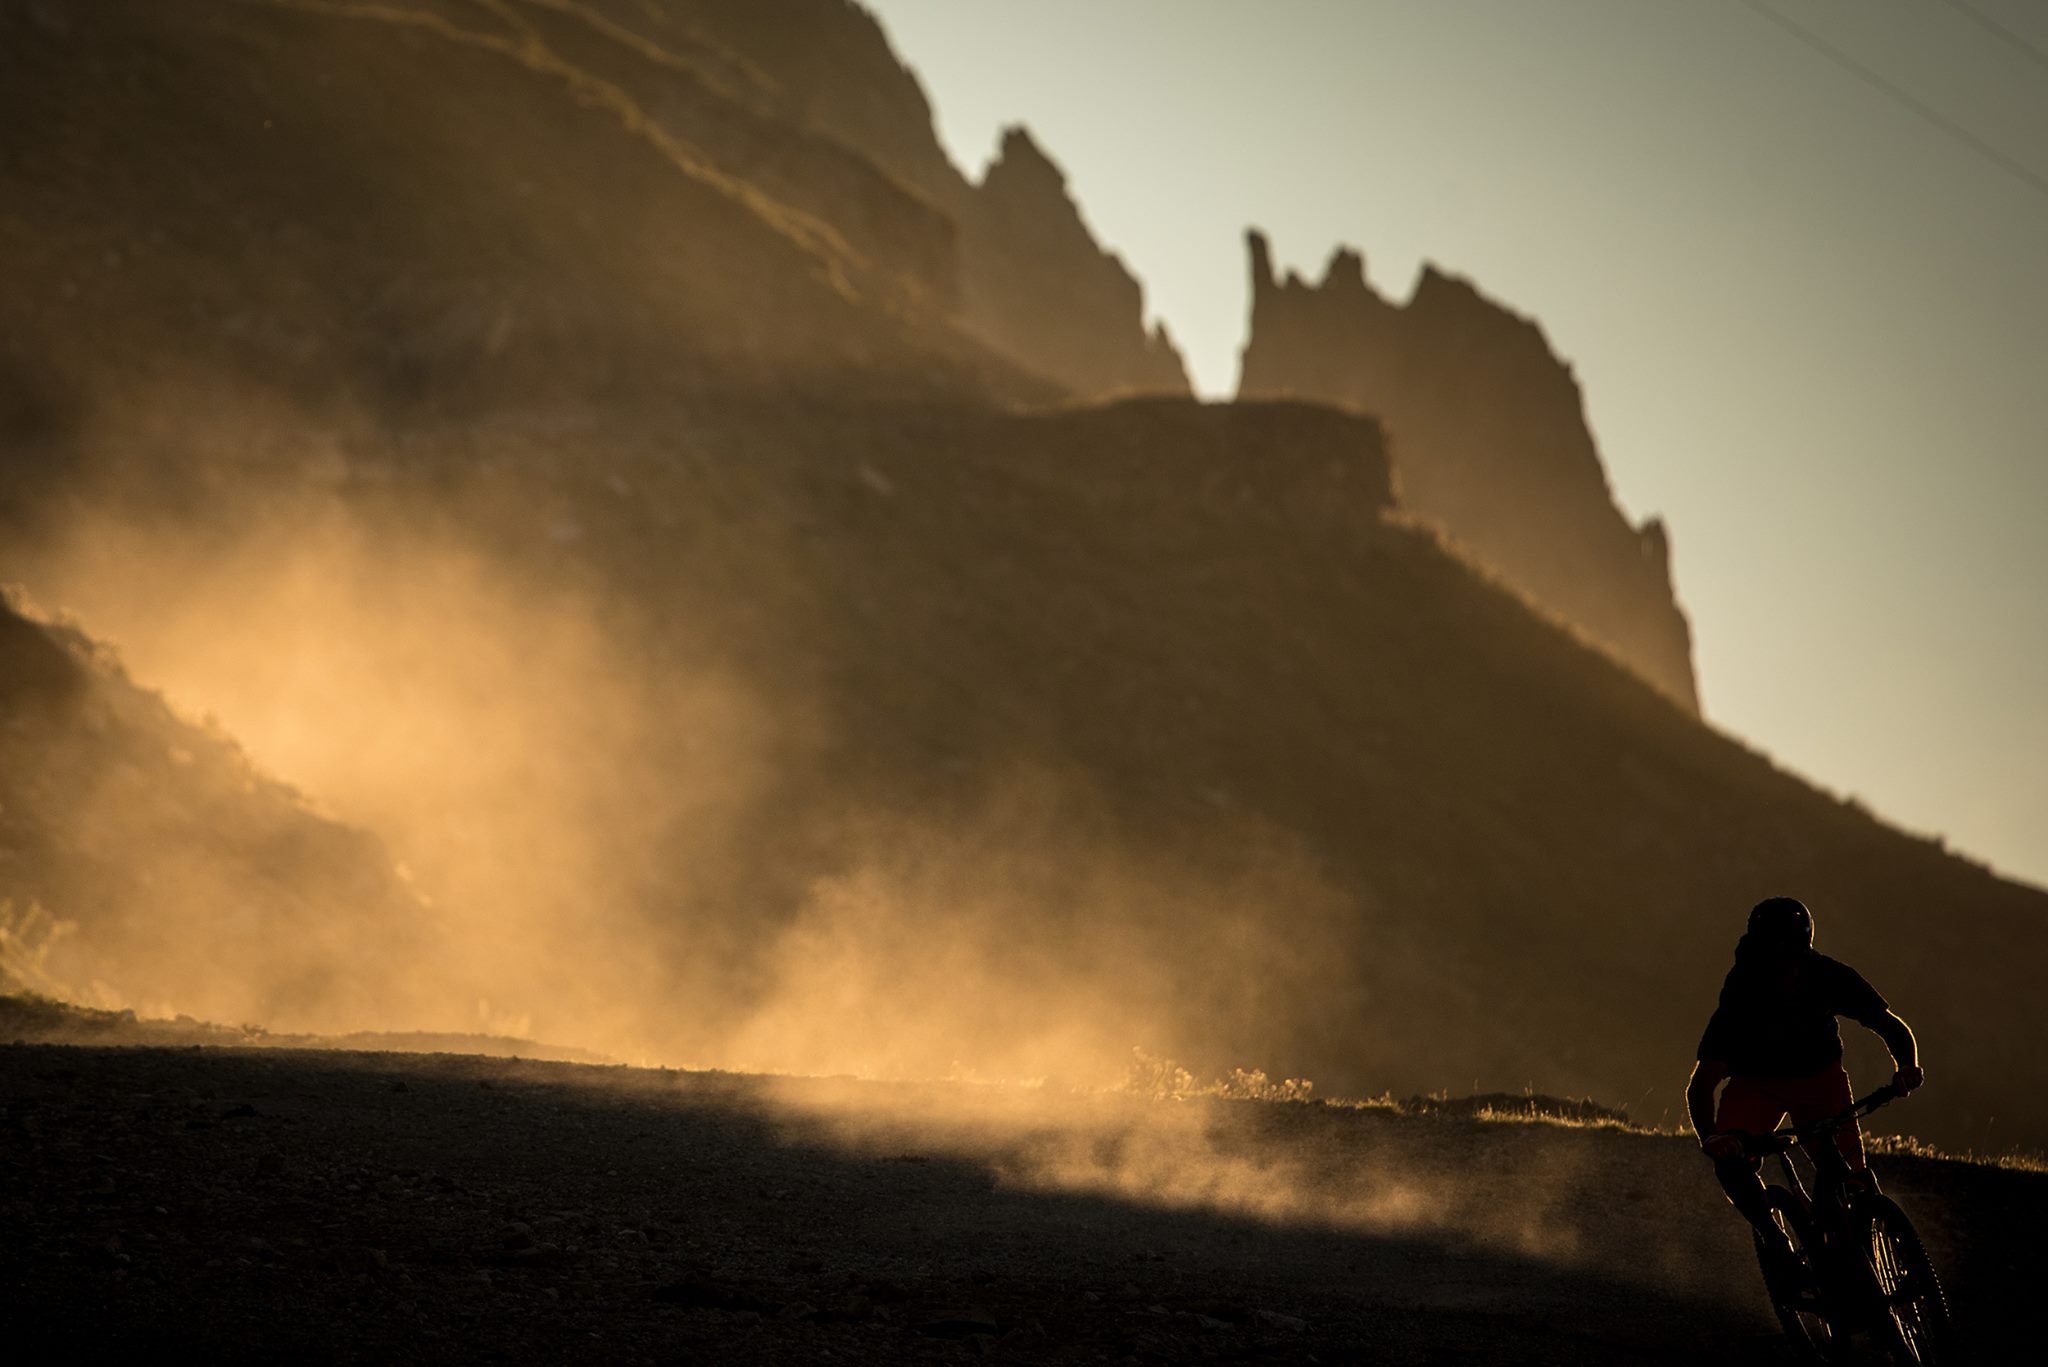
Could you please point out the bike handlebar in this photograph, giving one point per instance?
(1777, 1141)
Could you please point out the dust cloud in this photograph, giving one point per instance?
(620, 839)
(1561, 1195)
(1017, 944)
(624, 836)
(484, 730)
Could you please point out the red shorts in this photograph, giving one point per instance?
(1755, 1105)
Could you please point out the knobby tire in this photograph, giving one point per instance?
(1914, 1325)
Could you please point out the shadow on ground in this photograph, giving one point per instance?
(295, 1206)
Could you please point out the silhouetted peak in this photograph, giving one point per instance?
(1043, 289)
(1490, 425)
(1262, 260)
(1343, 276)
(1016, 268)
(1443, 301)
(1439, 289)
(1346, 271)
(1656, 543)
(1020, 162)
(1443, 292)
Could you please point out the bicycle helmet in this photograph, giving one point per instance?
(1782, 923)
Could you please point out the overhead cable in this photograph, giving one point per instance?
(1877, 79)
(1997, 29)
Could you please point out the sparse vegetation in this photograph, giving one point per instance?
(1161, 1079)
(1551, 1111)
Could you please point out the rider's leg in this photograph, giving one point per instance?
(1784, 1273)
(1740, 1179)
(1752, 1105)
(1748, 1106)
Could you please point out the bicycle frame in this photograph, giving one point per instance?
(1827, 1204)
(1830, 1169)
(1829, 1165)
(1866, 1269)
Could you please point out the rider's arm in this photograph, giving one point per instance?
(1854, 997)
(1699, 1095)
(1898, 1037)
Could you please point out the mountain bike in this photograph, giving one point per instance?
(1850, 1260)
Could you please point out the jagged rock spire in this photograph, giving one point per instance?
(1490, 439)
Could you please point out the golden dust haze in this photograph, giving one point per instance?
(580, 816)
(640, 601)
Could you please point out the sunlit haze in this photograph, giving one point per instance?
(1808, 319)
(878, 681)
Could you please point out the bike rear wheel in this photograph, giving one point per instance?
(1914, 1324)
(1792, 1279)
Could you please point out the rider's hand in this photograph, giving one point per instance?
(1722, 1145)
(1909, 1078)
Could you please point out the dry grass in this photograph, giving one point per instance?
(1161, 1079)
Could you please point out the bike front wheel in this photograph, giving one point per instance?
(1914, 1319)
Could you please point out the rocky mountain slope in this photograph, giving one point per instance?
(1490, 432)
(1034, 284)
(572, 467)
(620, 226)
(1011, 741)
(144, 860)
(625, 199)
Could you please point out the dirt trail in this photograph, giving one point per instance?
(274, 1205)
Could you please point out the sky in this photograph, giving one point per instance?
(1809, 312)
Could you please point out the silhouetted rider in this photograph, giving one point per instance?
(1774, 1039)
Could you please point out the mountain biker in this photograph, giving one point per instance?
(1774, 1039)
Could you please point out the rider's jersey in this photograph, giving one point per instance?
(1777, 1014)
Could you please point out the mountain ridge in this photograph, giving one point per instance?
(752, 670)
(1490, 430)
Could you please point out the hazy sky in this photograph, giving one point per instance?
(1812, 326)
